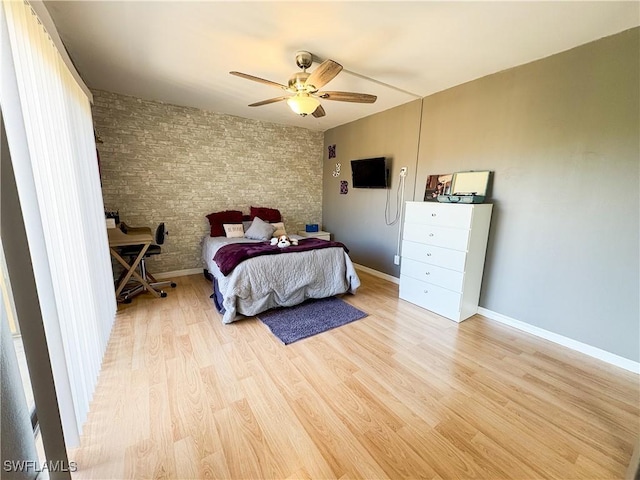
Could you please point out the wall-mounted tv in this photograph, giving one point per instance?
(370, 173)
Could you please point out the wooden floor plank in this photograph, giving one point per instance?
(402, 393)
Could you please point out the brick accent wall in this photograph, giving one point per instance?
(165, 163)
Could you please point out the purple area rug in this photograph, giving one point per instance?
(309, 318)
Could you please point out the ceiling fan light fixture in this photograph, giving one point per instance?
(304, 87)
(303, 104)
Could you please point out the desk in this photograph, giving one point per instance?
(134, 236)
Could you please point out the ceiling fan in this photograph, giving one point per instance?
(305, 87)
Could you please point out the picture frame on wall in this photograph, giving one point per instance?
(438, 184)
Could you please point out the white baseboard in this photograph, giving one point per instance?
(594, 352)
(177, 273)
(376, 273)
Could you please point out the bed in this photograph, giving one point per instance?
(277, 279)
(281, 278)
(269, 277)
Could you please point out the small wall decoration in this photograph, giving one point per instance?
(336, 172)
(332, 151)
(439, 184)
(344, 187)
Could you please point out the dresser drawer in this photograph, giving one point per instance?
(440, 214)
(443, 277)
(441, 257)
(447, 237)
(426, 295)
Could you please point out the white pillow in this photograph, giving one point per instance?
(233, 230)
(260, 230)
(280, 230)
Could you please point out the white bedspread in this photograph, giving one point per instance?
(287, 279)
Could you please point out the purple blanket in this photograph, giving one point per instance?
(229, 256)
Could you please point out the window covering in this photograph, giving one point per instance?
(51, 140)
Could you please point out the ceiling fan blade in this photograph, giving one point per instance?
(258, 79)
(322, 75)
(319, 112)
(348, 97)
(267, 102)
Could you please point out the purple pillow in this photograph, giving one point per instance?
(217, 219)
(270, 215)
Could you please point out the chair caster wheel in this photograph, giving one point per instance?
(127, 300)
(174, 285)
(163, 294)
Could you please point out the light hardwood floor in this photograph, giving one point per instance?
(401, 393)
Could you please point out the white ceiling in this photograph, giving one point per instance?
(181, 52)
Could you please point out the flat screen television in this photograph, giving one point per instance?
(370, 173)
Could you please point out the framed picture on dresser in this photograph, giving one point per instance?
(439, 184)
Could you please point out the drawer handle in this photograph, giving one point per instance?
(431, 234)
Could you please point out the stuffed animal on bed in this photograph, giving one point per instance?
(283, 241)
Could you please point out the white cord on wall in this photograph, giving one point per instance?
(399, 209)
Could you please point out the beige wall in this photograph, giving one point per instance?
(562, 136)
(164, 163)
(358, 218)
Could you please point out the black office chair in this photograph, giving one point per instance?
(132, 251)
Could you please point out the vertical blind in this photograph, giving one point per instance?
(57, 123)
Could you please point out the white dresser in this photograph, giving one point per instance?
(443, 250)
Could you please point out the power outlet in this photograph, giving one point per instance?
(403, 171)
(396, 259)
